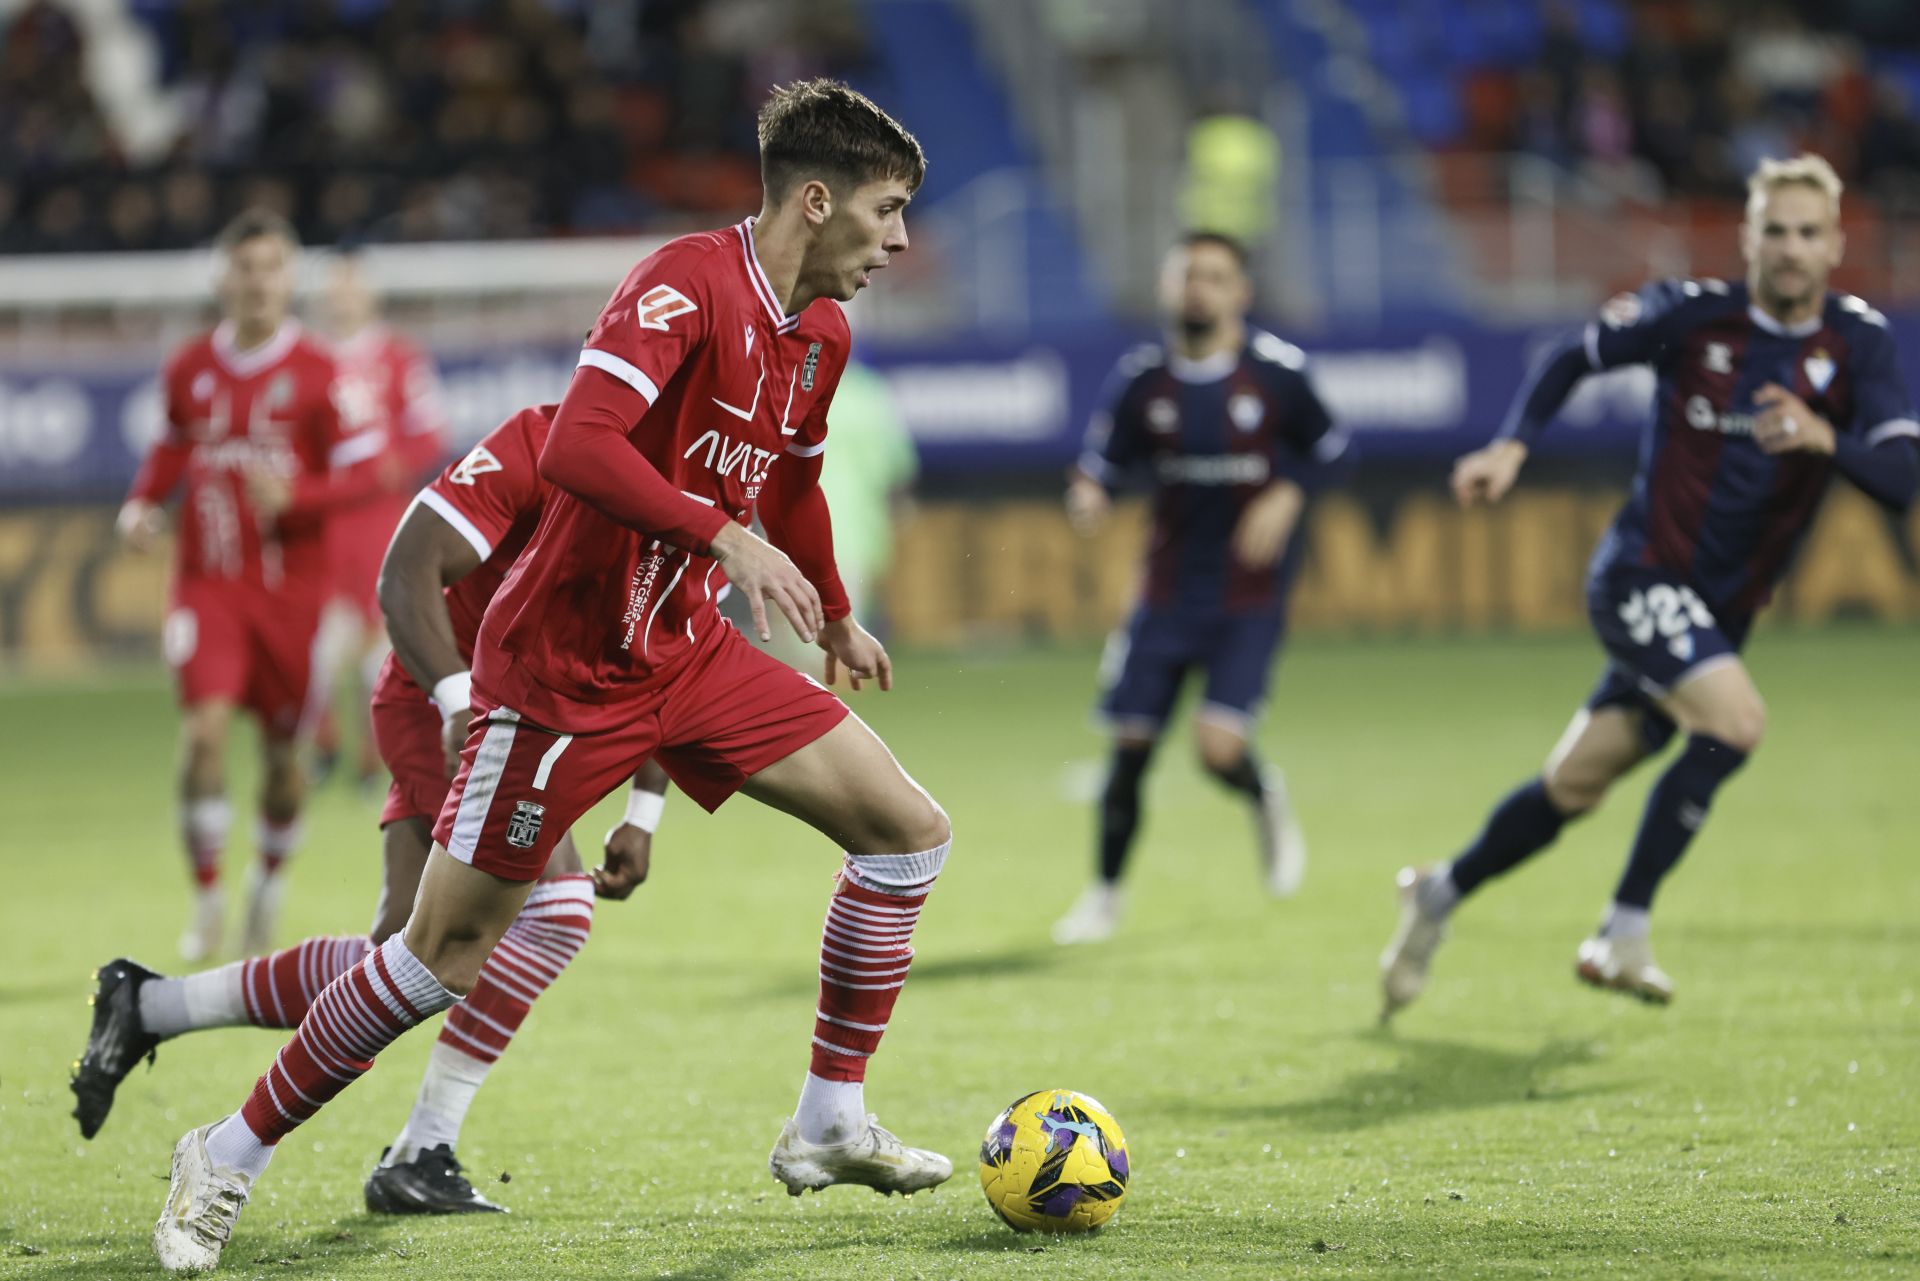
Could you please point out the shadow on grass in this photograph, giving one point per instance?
(322, 1251)
(1014, 963)
(1430, 1076)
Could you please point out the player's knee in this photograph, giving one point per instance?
(1742, 726)
(1221, 758)
(1576, 788)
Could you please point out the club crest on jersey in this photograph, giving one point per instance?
(1246, 411)
(280, 391)
(1820, 369)
(202, 388)
(1162, 415)
(1718, 358)
(523, 826)
(811, 365)
(474, 465)
(660, 304)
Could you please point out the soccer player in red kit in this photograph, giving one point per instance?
(702, 393)
(256, 433)
(397, 391)
(452, 550)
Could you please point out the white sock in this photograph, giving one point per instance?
(210, 998)
(453, 1077)
(831, 1111)
(1436, 895)
(232, 1145)
(1626, 922)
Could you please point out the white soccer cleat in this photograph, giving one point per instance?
(1283, 846)
(1624, 965)
(203, 1203)
(875, 1160)
(1403, 966)
(200, 941)
(264, 892)
(1093, 918)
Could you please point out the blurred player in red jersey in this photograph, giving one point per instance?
(396, 392)
(702, 393)
(257, 435)
(463, 531)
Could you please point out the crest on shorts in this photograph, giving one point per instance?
(523, 828)
(811, 365)
(1820, 368)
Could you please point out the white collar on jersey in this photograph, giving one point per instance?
(254, 359)
(782, 322)
(1811, 325)
(1208, 369)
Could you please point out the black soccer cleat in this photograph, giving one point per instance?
(431, 1183)
(116, 1043)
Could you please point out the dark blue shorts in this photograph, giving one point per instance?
(1148, 658)
(1657, 632)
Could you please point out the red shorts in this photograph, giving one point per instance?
(730, 712)
(406, 727)
(247, 646)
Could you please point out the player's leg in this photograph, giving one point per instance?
(419, 1173)
(1603, 742)
(1724, 719)
(283, 789)
(287, 687)
(205, 818)
(499, 838)
(1239, 661)
(848, 786)
(1140, 674)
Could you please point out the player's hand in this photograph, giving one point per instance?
(1266, 526)
(763, 573)
(140, 525)
(268, 491)
(628, 856)
(853, 647)
(1485, 475)
(1087, 503)
(1785, 424)
(453, 739)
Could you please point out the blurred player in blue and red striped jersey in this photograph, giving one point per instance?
(1225, 422)
(1765, 390)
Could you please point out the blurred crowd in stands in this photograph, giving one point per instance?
(403, 120)
(1693, 93)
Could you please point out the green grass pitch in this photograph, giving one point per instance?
(1513, 1123)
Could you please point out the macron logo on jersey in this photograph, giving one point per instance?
(660, 304)
(474, 465)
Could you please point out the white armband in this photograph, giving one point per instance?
(453, 694)
(644, 809)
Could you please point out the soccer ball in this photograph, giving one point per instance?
(1055, 1161)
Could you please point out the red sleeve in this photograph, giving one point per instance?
(495, 484)
(166, 462)
(794, 511)
(654, 320)
(340, 466)
(589, 455)
(420, 418)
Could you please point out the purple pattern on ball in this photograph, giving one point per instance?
(1117, 1162)
(1002, 1141)
(1062, 1199)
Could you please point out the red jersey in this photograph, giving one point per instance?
(396, 413)
(596, 612)
(492, 497)
(228, 411)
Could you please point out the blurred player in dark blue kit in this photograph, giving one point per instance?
(1766, 389)
(1225, 425)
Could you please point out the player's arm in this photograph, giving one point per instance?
(142, 518)
(1111, 447)
(1631, 329)
(1310, 453)
(338, 468)
(793, 508)
(1881, 457)
(628, 852)
(427, 554)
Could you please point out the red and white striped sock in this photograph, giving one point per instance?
(355, 1017)
(204, 821)
(266, 991)
(865, 952)
(549, 932)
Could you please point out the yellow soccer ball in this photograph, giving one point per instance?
(1055, 1161)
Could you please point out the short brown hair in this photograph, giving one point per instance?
(822, 129)
(251, 224)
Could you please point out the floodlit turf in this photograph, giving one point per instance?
(1513, 1124)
